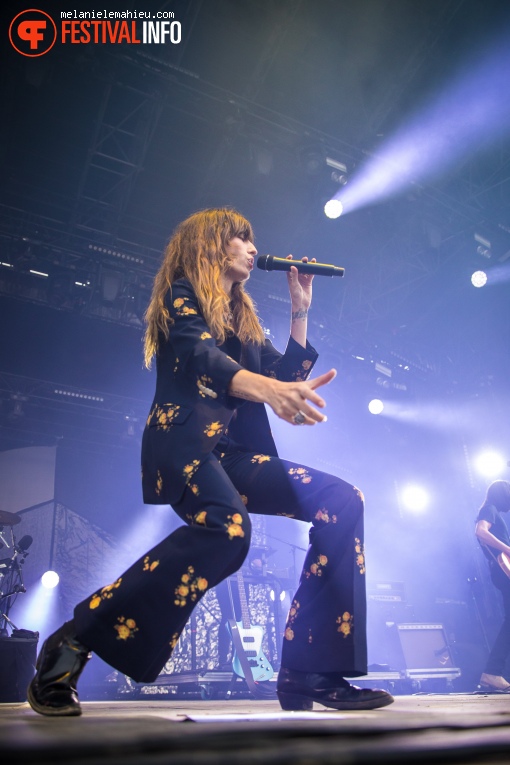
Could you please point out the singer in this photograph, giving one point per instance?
(208, 451)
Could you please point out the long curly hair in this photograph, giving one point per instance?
(197, 251)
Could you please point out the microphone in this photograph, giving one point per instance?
(24, 543)
(271, 263)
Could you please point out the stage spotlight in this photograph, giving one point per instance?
(375, 406)
(312, 158)
(479, 279)
(17, 410)
(414, 498)
(484, 246)
(273, 596)
(333, 209)
(490, 464)
(131, 424)
(339, 178)
(50, 579)
(111, 285)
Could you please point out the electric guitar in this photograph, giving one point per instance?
(251, 638)
(504, 562)
(502, 559)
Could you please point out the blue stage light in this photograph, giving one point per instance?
(50, 579)
(333, 209)
(479, 279)
(414, 498)
(375, 406)
(490, 464)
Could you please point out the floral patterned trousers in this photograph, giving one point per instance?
(134, 623)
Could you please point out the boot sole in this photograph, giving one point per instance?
(292, 702)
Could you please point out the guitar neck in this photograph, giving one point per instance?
(245, 614)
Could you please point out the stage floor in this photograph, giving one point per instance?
(439, 728)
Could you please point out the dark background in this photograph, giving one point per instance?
(105, 148)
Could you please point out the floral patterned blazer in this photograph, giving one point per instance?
(192, 413)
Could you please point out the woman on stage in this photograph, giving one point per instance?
(492, 533)
(208, 451)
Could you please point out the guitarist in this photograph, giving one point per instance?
(492, 533)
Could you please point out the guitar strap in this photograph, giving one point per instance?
(258, 690)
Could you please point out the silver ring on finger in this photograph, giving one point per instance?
(299, 418)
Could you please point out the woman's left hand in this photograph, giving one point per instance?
(300, 286)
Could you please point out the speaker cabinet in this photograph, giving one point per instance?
(17, 667)
(425, 647)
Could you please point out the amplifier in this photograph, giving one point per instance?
(387, 592)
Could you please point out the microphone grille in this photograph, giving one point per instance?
(263, 262)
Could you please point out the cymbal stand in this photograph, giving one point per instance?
(2, 538)
(3, 534)
(8, 621)
(11, 578)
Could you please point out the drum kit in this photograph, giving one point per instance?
(11, 575)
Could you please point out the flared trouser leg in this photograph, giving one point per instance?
(134, 623)
(326, 625)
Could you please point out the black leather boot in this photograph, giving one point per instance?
(298, 690)
(59, 665)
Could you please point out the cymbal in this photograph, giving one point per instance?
(9, 519)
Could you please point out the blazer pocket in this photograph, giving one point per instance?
(164, 416)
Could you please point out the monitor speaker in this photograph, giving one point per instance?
(17, 666)
(424, 646)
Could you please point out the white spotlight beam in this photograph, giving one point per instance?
(475, 106)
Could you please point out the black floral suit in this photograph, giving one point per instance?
(212, 457)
